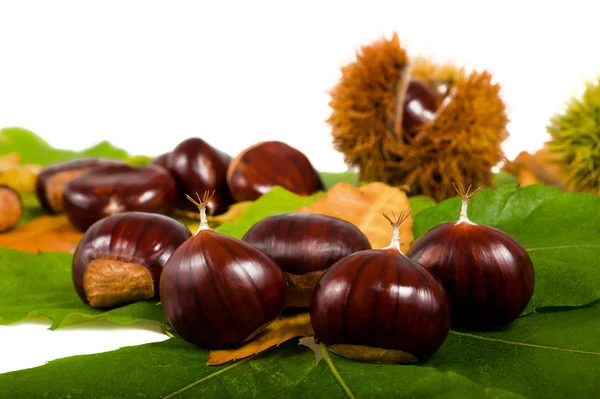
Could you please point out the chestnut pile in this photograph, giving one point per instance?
(375, 305)
(90, 189)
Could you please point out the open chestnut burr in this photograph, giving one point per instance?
(121, 257)
(271, 163)
(11, 208)
(218, 291)
(50, 182)
(304, 245)
(487, 273)
(379, 305)
(109, 190)
(198, 167)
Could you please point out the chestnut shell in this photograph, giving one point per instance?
(11, 208)
(142, 238)
(218, 291)
(302, 242)
(52, 202)
(115, 189)
(417, 92)
(271, 163)
(381, 299)
(487, 273)
(198, 167)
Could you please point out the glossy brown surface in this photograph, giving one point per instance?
(140, 238)
(381, 299)
(110, 190)
(419, 100)
(11, 208)
(272, 163)
(51, 180)
(488, 275)
(218, 291)
(198, 167)
(304, 242)
(162, 160)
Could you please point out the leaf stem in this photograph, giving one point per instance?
(336, 374)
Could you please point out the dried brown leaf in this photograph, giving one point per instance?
(364, 207)
(281, 330)
(537, 168)
(44, 234)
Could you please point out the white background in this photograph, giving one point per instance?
(146, 75)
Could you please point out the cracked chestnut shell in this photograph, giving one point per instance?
(11, 208)
(271, 163)
(120, 258)
(420, 104)
(50, 182)
(379, 305)
(304, 245)
(487, 273)
(218, 291)
(198, 167)
(115, 189)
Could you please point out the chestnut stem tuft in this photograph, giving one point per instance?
(465, 196)
(396, 221)
(202, 203)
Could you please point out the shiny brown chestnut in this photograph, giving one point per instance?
(121, 257)
(11, 208)
(109, 190)
(218, 291)
(271, 163)
(304, 245)
(50, 182)
(487, 273)
(420, 104)
(198, 167)
(378, 305)
(162, 160)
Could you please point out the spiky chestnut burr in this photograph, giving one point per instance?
(575, 135)
(458, 139)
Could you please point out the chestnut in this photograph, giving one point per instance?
(11, 208)
(420, 104)
(109, 190)
(120, 258)
(487, 273)
(218, 291)
(271, 163)
(162, 160)
(198, 167)
(379, 305)
(304, 245)
(50, 182)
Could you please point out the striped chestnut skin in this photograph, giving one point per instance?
(487, 273)
(304, 245)
(121, 257)
(218, 291)
(271, 163)
(49, 185)
(197, 167)
(109, 190)
(382, 300)
(11, 208)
